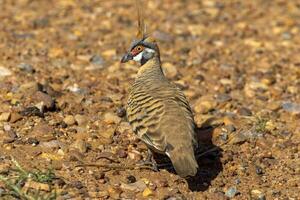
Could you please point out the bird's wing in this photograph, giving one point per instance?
(144, 113)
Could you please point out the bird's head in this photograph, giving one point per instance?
(141, 51)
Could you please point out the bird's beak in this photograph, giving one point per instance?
(126, 58)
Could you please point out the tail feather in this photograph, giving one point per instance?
(184, 162)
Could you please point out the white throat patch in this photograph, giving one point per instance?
(139, 56)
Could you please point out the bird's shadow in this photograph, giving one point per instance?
(208, 157)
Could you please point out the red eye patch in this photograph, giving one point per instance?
(137, 50)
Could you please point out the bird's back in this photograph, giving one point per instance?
(161, 117)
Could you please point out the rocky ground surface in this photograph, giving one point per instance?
(63, 92)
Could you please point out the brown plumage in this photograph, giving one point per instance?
(159, 112)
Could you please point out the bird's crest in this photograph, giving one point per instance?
(141, 22)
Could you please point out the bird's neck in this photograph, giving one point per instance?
(151, 69)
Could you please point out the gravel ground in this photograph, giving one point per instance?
(63, 92)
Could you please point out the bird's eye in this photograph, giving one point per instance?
(139, 48)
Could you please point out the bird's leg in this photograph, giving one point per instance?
(149, 161)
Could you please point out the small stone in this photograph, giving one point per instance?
(53, 144)
(7, 127)
(81, 120)
(170, 70)
(122, 153)
(147, 192)
(274, 106)
(258, 170)
(30, 88)
(121, 112)
(32, 141)
(111, 118)
(230, 128)
(204, 106)
(36, 186)
(97, 60)
(40, 22)
(224, 136)
(231, 192)
(77, 184)
(81, 145)
(99, 175)
(161, 183)
(222, 98)
(69, 120)
(134, 155)
(109, 53)
(15, 117)
(291, 107)
(12, 134)
(26, 68)
(4, 72)
(244, 111)
(42, 129)
(257, 195)
(8, 140)
(238, 138)
(4, 117)
(131, 179)
(114, 192)
(32, 111)
(137, 186)
(46, 100)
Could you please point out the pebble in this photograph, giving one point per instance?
(46, 100)
(114, 193)
(97, 60)
(81, 145)
(258, 170)
(231, 192)
(4, 72)
(33, 141)
(161, 183)
(204, 106)
(137, 186)
(134, 155)
(4, 117)
(81, 120)
(15, 117)
(121, 112)
(69, 120)
(32, 111)
(111, 118)
(230, 128)
(224, 136)
(42, 129)
(257, 195)
(51, 144)
(36, 186)
(122, 153)
(77, 184)
(30, 88)
(147, 192)
(26, 68)
(291, 107)
(131, 179)
(244, 111)
(169, 70)
(222, 98)
(12, 134)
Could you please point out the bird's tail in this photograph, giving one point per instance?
(184, 161)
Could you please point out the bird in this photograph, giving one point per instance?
(158, 111)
